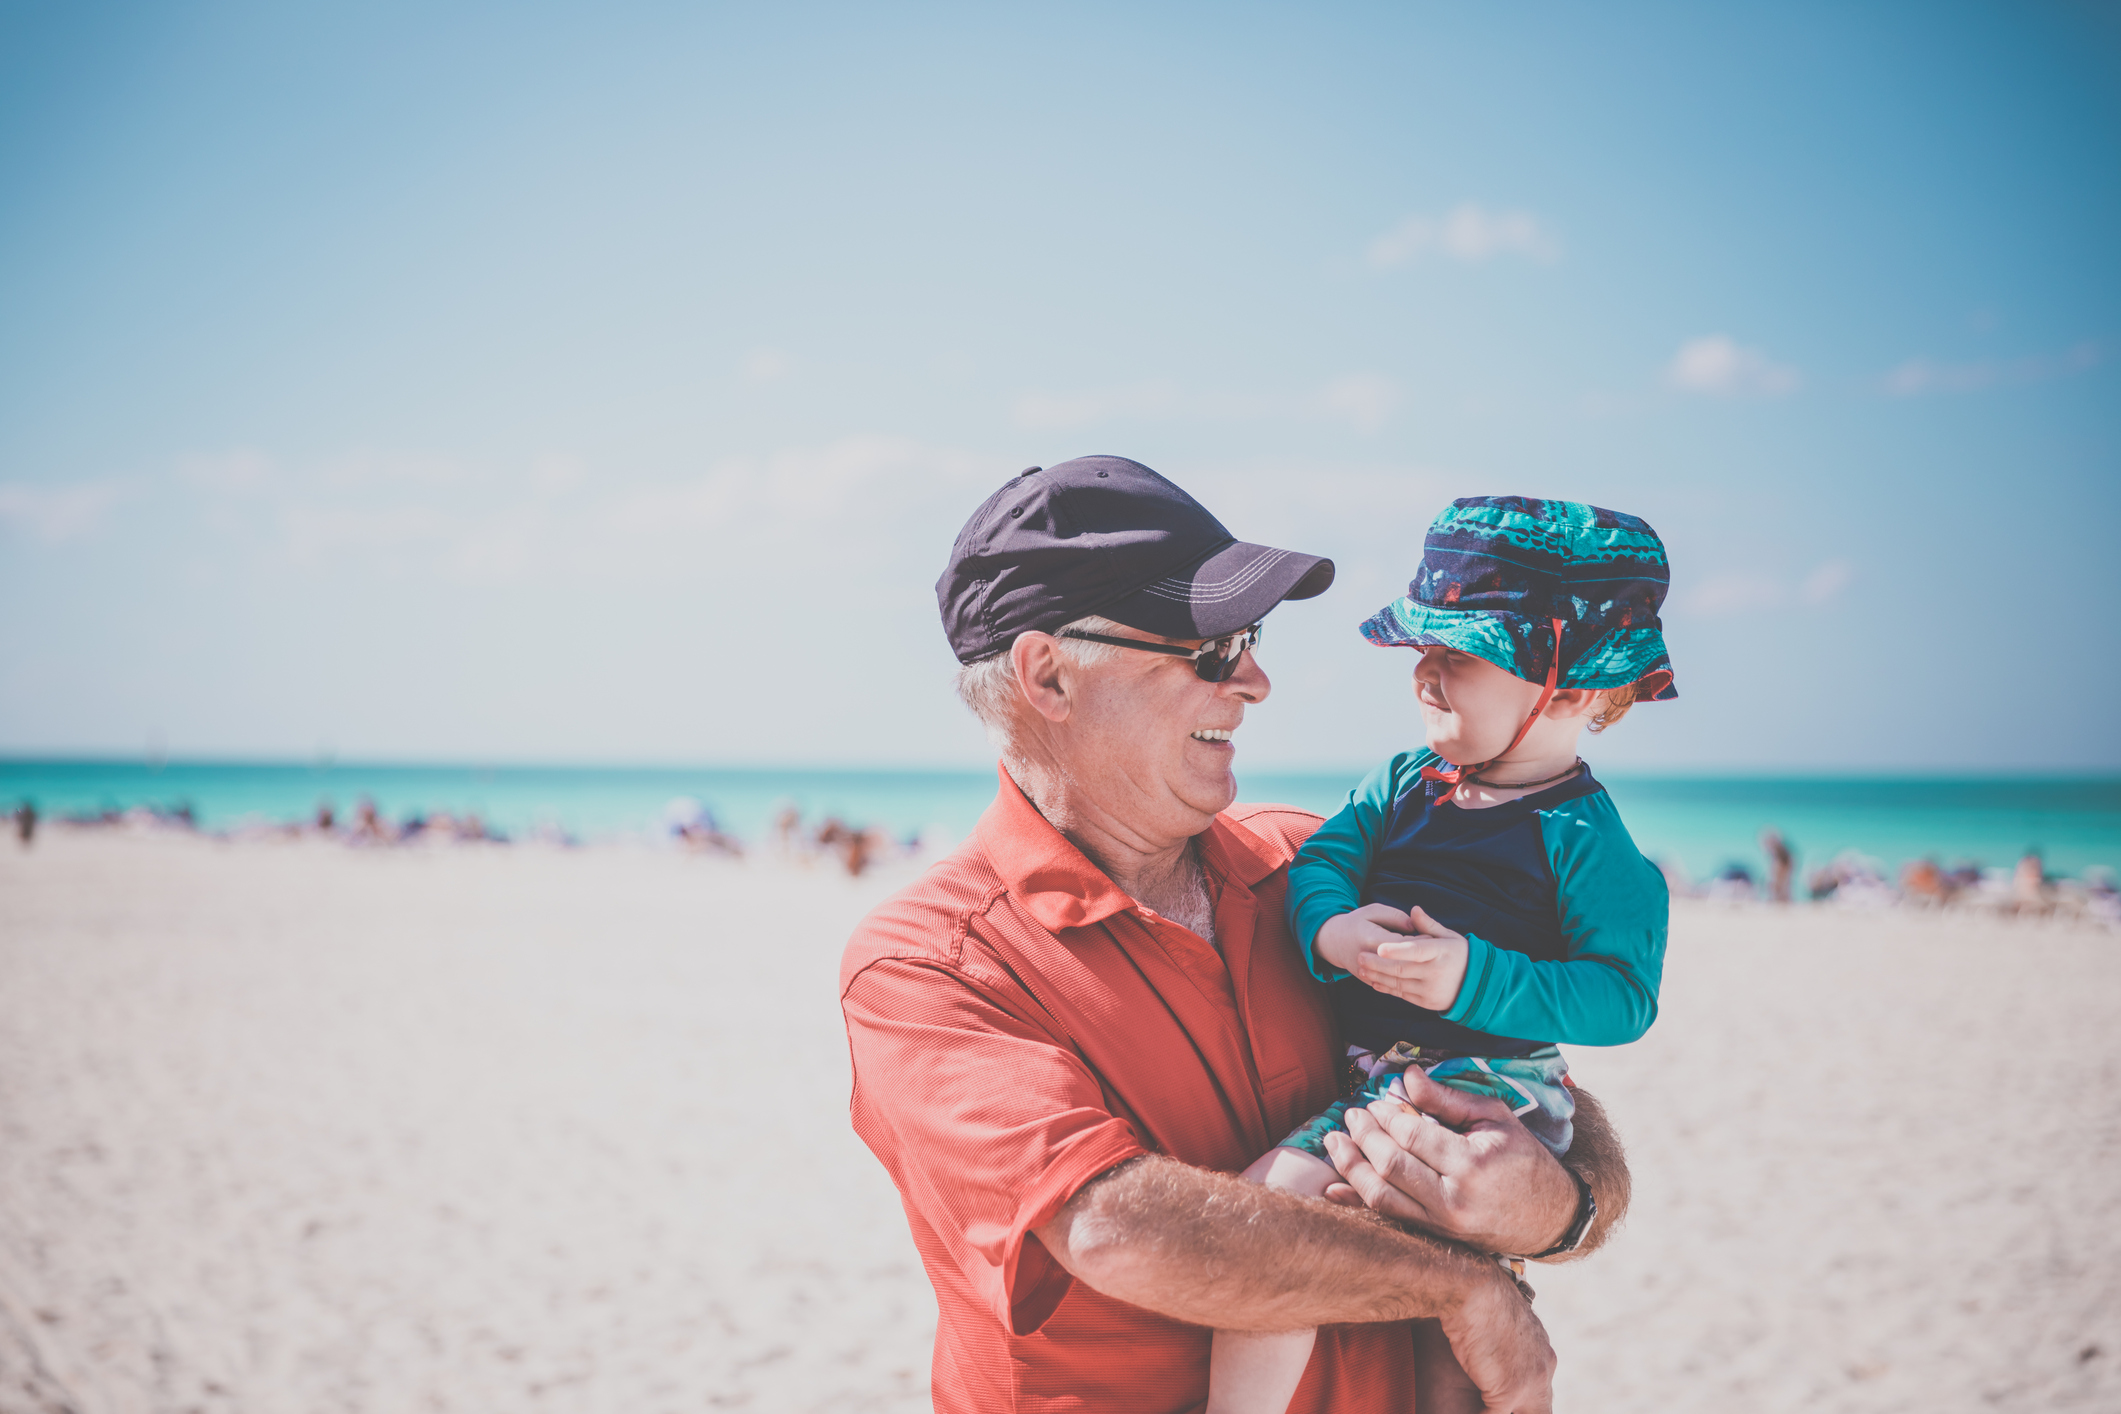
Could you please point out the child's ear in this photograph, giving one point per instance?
(1572, 702)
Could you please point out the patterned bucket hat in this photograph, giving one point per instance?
(1511, 578)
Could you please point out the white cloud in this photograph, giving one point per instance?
(821, 504)
(1717, 364)
(1918, 375)
(767, 366)
(56, 513)
(1741, 592)
(1724, 594)
(1467, 232)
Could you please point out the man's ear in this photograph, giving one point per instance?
(1040, 674)
(1572, 702)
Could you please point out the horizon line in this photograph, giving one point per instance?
(323, 765)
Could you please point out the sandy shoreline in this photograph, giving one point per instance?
(295, 1128)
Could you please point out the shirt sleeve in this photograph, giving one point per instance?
(1614, 910)
(987, 1123)
(1328, 873)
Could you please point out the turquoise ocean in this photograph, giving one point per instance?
(1702, 823)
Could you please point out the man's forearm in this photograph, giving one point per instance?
(1213, 1250)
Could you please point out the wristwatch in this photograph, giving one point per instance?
(1586, 1214)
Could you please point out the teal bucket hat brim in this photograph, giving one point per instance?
(1620, 657)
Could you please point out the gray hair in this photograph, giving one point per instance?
(988, 686)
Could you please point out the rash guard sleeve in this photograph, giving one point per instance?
(1614, 910)
(1327, 876)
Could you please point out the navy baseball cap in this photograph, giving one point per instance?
(1108, 536)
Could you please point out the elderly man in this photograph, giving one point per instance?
(1070, 1035)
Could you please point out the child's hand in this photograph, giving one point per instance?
(1426, 969)
(1345, 938)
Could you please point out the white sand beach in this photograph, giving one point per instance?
(295, 1128)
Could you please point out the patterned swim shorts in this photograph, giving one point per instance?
(1534, 1087)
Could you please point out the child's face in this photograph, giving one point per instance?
(1471, 707)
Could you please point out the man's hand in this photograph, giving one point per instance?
(1503, 1348)
(1484, 1181)
(1426, 969)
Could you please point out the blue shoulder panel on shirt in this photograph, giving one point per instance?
(1613, 910)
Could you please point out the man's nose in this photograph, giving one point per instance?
(1249, 683)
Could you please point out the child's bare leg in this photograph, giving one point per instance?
(1256, 1372)
(1440, 1385)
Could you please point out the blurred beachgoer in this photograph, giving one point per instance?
(856, 853)
(829, 837)
(693, 825)
(1851, 878)
(2102, 898)
(1478, 903)
(26, 822)
(1782, 863)
(1732, 884)
(1051, 1060)
(326, 818)
(786, 826)
(1823, 882)
(1923, 884)
(369, 825)
(2029, 885)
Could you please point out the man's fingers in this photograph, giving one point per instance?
(1454, 1107)
(1441, 1150)
(1342, 1194)
(1399, 1185)
(1368, 1185)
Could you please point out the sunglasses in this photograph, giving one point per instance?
(1214, 661)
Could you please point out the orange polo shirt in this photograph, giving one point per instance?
(1018, 1026)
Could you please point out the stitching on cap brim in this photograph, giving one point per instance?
(1189, 590)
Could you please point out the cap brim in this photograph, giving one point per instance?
(1232, 588)
(1618, 659)
(1406, 624)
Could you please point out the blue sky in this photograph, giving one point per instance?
(608, 383)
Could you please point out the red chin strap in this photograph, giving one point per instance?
(1458, 774)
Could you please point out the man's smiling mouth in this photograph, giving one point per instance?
(1221, 734)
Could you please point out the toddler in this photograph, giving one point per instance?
(1478, 901)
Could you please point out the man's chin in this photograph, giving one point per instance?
(1210, 795)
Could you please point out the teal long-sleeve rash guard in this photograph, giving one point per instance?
(1564, 919)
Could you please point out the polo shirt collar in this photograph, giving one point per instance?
(1059, 885)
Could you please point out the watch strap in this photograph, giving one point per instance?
(1586, 1214)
